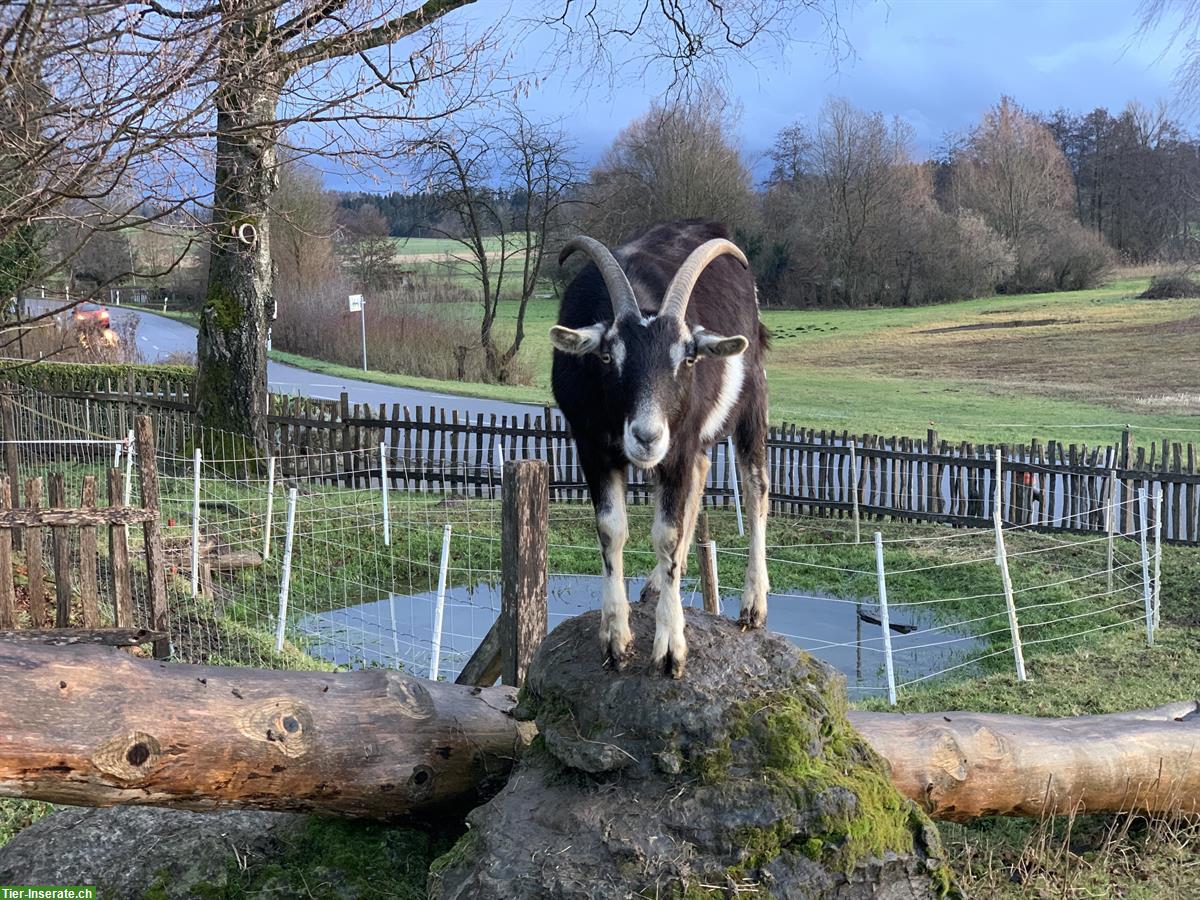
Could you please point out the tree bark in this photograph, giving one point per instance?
(231, 379)
(92, 726)
(963, 765)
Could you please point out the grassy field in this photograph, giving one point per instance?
(998, 368)
(1075, 366)
(1100, 672)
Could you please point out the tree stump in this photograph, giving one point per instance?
(742, 778)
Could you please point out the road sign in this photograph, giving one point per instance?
(356, 303)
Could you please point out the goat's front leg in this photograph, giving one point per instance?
(613, 530)
(752, 471)
(652, 589)
(675, 516)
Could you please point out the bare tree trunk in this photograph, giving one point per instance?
(231, 381)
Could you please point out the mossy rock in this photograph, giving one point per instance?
(742, 777)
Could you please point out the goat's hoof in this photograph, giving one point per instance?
(672, 665)
(752, 618)
(617, 644)
(649, 592)
(671, 660)
(617, 659)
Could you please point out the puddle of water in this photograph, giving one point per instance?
(398, 630)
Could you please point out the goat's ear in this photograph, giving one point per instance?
(577, 341)
(709, 344)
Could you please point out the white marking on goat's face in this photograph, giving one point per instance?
(647, 372)
(647, 436)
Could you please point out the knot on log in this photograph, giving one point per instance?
(128, 757)
(281, 722)
(411, 697)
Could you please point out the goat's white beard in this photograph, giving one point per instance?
(647, 457)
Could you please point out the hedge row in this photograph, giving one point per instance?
(90, 377)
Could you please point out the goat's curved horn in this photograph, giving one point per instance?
(619, 289)
(679, 291)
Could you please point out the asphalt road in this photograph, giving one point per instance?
(158, 337)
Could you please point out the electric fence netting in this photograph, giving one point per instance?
(390, 556)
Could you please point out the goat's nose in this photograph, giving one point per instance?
(647, 435)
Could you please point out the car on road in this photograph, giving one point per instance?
(90, 314)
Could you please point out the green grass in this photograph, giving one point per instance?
(509, 393)
(950, 574)
(1100, 360)
(18, 814)
(1101, 672)
(1104, 361)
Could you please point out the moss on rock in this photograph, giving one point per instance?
(742, 777)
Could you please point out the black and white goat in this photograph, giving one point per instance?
(659, 354)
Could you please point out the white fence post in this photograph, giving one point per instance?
(883, 618)
(129, 450)
(1006, 579)
(854, 492)
(270, 508)
(195, 522)
(285, 580)
(731, 462)
(998, 502)
(1157, 551)
(1110, 523)
(435, 657)
(383, 494)
(1147, 593)
(711, 549)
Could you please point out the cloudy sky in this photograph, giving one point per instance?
(936, 63)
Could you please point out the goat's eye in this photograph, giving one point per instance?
(690, 360)
(606, 358)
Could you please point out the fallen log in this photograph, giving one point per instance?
(89, 726)
(963, 765)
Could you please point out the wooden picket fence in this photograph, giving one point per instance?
(26, 527)
(1049, 485)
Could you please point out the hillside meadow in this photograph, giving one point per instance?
(1075, 366)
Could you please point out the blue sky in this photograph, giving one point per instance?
(938, 64)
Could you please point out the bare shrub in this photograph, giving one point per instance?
(1171, 286)
(965, 257)
(1058, 254)
(423, 328)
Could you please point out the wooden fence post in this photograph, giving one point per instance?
(8, 594)
(61, 544)
(33, 557)
(89, 560)
(8, 422)
(524, 530)
(118, 552)
(706, 558)
(156, 576)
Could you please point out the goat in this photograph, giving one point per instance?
(658, 355)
